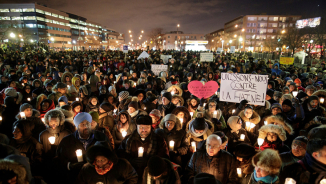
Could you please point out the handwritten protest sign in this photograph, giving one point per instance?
(165, 58)
(206, 57)
(144, 55)
(286, 60)
(236, 87)
(156, 69)
(202, 91)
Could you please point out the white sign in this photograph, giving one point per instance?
(206, 57)
(165, 58)
(156, 69)
(125, 49)
(236, 87)
(144, 55)
(232, 49)
(219, 49)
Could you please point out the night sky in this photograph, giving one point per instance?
(194, 16)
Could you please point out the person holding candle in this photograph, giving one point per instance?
(144, 137)
(106, 119)
(150, 102)
(123, 124)
(63, 100)
(212, 160)
(244, 153)
(104, 166)
(134, 110)
(77, 107)
(83, 95)
(249, 115)
(27, 93)
(167, 106)
(93, 104)
(156, 118)
(140, 94)
(82, 139)
(267, 166)
(175, 89)
(298, 150)
(182, 113)
(171, 130)
(124, 100)
(214, 114)
(310, 104)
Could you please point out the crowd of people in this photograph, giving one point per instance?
(95, 117)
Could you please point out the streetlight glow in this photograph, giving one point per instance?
(130, 36)
(178, 25)
(52, 39)
(311, 41)
(230, 41)
(142, 31)
(12, 35)
(243, 30)
(240, 39)
(32, 41)
(212, 40)
(129, 31)
(235, 36)
(236, 25)
(283, 31)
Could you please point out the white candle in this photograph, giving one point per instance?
(42, 120)
(140, 152)
(144, 108)
(23, 84)
(79, 154)
(52, 139)
(193, 146)
(215, 114)
(242, 137)
(265, 122)
(321, 100)
(247, 125)
(295, 93)
(28, 99)
(115, 111)
(0, 118)
(239, 172)
(233, 111)
(252, 125)
(216, 93)
(22, 115)
(115, 82)
(204, 104)
(77, 99)
(68, 86)
(191, 114)
(292, 181)
(323, 181)
(124, 133)
(171, 145)
(181, 120)
(260, 142)
(172, 93)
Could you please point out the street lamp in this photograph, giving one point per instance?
(240, 39)
(142, 31)
(311, 41)
(132, 40)
(32, 41)
(235, 36)
(129, 31)
(243, 30)
(283, 31)
(230, 41)
(212, 40)
(12, 35)
(130, 36)
(139, 38)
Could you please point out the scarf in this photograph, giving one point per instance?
(266, 179)
(317, 170)
(103, 170)
(192, 131)
(166, 106)
(133, 114)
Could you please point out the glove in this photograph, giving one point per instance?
(76, 166)
(202, 101)
(243, 104)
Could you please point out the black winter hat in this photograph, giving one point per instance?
(101, 148)
(270, 93)
(288, 103)
(244, 151)
(134, 105)
(313, 97)
(199, 124)
(144, 120)
(107, 107)
(37, 91)
(205, 178)
(184, 86)
(301, 95)
(156, 166)
(167, 95)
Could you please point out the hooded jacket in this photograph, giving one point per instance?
(35, 123)
(255, 119)
(116, 134)
(190, 137)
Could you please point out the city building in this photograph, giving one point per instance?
(215, 40)
(38, 23)
(257, 32)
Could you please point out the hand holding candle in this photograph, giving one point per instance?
(295, 93)
(193, 146)
(140, 152)
(171, 145)
(22, 115)
(242, 137)
(52, 140)
(292, 181)
(260, 142)
(239, 172)
(124, 133)
(77, 99)
(215, 114)
(79, 154)
(321, 100)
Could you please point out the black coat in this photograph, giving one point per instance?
(222, 166)
(166, 111)
(234, 138)
(8, 119)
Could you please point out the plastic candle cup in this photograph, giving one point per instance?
(239, 172)
(242, 137)
(295, 93)
(193, 146)
(292, 181)
(22, 115)
(171, 145)
(124, 133)
(52, 139)
(260, 142)
(79, 154)
(140, 152)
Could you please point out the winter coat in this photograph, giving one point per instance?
(106, 120)
(8, 119)
(35, 123)
(88, 174)
(140, 112)
(66, 152)
(221, 166)
(253, 181)
(172, 176)
(190, 137)
(288, 158)
(178, 135)
(234, 138)
(263, 111)
(247, 169)
(6, 150)
(255, 119)
(90, 107)
(124, 104)
(166, 111)
(218, 121)
(55, 97)
(116, 134)
(187, 116)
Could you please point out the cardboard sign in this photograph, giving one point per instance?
(156, 69)
(236, 87)
(286, 60)
(232, 50)
(143, 55)
(206, 57)
(165, 58)
(203, 91)
(125, 49)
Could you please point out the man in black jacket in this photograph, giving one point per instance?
(82, 139)
(167, 106)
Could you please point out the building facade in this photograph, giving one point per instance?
(32, 22)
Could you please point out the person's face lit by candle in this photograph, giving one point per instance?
(193, 102)
(154, 119)
(260, 172)
(45, 106)
(169, 125)
(140, 97)
(93, 125)
(213, 145)
(144, 130)
(84, 129)
(123, 118)
(313, 104)
(77, 109)
(62, 104)
(271, 136)
(212, 107)
(101, 161)
(17, 133)
(54, 122)
(248, 113)
(180, 115)
(28, 112)
(276, 110)
(165, 101)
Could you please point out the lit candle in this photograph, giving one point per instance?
(292, 181)
(239, 172)
(172, 93)
(242, 137)
(265, 122)
(171, 145)
(193, 146)
(79, 154)
(144, 108)
(42, 120)
(295, 93)
(124, 133)
(115, 111)
(323, 181)
(252, 125)
(260, 142)
(215, 114)
(204, 104)
(248, 125)
(77, 99)
(134, 84)
(191, 114)
(23, 84)
(233, 111)
(216, 93)
(140, 152)
(22, 115)
(28, 99)
(0, 118)
(68, 86)
(115, 82)
(52, 139)
(181, 120)
(321, 100)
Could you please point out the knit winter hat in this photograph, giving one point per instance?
(37, 91)
(111, 88)
(232, 121)
(11, 92)
(80, 117)
(205, 178)
(301, 95)
(172, 117)
(301, 140)
(199, 124)
(167, 95)
(63, 99)
(60, 85)
(25, 106)
(155, 113)
(9, 101)
(270, 93)
(276, 105)
(95, 116)
(313, 97)
(107, 107)
(133, 104)
(287, 102)
(297, 81)
(268, 160)
(124, 95)
(144, 120)
(244, 151)
(156, 166)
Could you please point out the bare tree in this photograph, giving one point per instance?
(153, 36)
(293, 39)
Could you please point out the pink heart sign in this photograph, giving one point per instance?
(203, 91)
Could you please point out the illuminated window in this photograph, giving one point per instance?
(61, 23)
(61, 17)
(252, 18)
(40, 18)
(55, 22)
(4, 10)
(4, 18)
(28, 10)
(48, 20)
(54, 15)
(16, 18)
(29, 18)
(67, 18)
(16, 10)
(31, 25)
(39, 11)
(47, 13)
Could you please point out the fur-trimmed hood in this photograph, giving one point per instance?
(187, 116)
(209, 123)
(56, 113)
(19, 165)
(37, 80)
(320, 93)
(66, 74)
(126, 114)
(280, 121)
(255, 118)
(208, 115)
(269, 160)
(267, 105)
(179, 98)
(177, 88)
(272, 128)
(39, 100)
(35, 114)
(167, 117)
